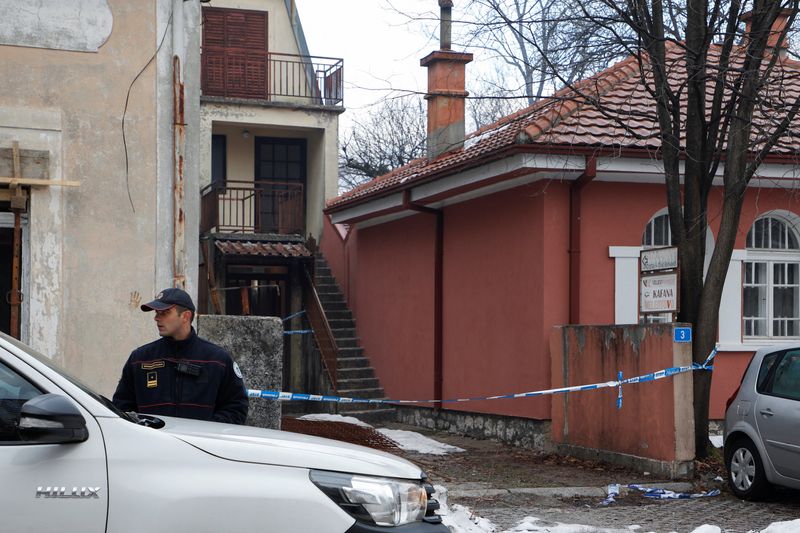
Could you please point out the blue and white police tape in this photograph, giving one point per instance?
(655, 493)
(653, 376)
(293, 315)
(664, 494)
(298, 331)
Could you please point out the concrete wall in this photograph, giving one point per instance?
(94, 254)
(656, 422)
(256, 344)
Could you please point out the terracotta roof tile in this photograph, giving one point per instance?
(264, 249)
(612, 108)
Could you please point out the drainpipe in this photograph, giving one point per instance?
(575, 190)
(179, 148)
(438, 294)
(179, 213)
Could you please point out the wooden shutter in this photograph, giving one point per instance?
(234, 53)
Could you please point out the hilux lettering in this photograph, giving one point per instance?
(62, 492)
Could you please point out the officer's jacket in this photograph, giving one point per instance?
(192, 378)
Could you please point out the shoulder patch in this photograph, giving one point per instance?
(237, 370)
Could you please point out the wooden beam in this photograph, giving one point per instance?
(33, 163)
(5, 195)
(36, 182)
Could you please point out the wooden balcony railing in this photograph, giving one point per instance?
(253, 207)
(236, 73)
(323, 335)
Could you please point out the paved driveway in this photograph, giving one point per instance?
(505, 485)
(729, 513)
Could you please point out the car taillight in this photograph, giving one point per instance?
(733, 397)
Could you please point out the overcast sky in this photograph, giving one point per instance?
(381, 48)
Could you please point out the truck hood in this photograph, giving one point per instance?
(267, 446)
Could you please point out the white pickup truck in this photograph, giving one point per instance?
(70, 461)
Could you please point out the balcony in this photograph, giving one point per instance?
(288, 78)
(248, 207)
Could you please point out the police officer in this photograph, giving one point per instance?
(181, 374)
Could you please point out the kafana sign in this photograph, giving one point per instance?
(658, 293)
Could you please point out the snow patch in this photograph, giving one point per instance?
(414, 442)
(705, 528)
(324, 417)
(791, 526)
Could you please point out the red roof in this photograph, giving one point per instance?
(264, 249)
(612, 109)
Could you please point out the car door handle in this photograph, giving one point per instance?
(767, 412)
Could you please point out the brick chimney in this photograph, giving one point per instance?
(775, 43)
(446, 92)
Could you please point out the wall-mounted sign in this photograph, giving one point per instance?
(682, 334)
(658, 293)
(658, 259)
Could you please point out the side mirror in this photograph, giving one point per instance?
(51, 419)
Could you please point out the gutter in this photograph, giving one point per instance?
(438, 294)
(575, 190)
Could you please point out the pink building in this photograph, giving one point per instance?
(458, 266)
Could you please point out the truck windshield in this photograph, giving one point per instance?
(69, 377)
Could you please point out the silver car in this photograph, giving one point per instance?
(762, 425)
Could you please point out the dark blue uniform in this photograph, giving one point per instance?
(192, 378)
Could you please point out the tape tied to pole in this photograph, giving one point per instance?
(653, 376)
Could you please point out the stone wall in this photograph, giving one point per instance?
(256, 344)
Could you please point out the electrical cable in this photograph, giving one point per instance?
(125, 110)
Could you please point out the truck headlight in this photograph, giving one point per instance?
(379, 500)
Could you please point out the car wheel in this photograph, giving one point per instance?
(746, 476)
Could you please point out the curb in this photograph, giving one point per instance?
(562, 492)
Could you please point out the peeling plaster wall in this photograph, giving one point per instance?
(320, 128)
(79, 25)
(92, 253)
(40, 129)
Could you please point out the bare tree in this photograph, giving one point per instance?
(542, 41)
(391, 135)
(490, 100)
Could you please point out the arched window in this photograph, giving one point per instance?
(771, 288)
(657, 233)
(772, 233)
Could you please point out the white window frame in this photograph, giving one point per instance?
(771, 257)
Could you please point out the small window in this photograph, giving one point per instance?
(786, 382)
(14, 391)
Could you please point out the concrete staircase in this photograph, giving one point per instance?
(355, 375)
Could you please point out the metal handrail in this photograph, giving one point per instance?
(321, 329)
(276, 76)
(236, 207)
